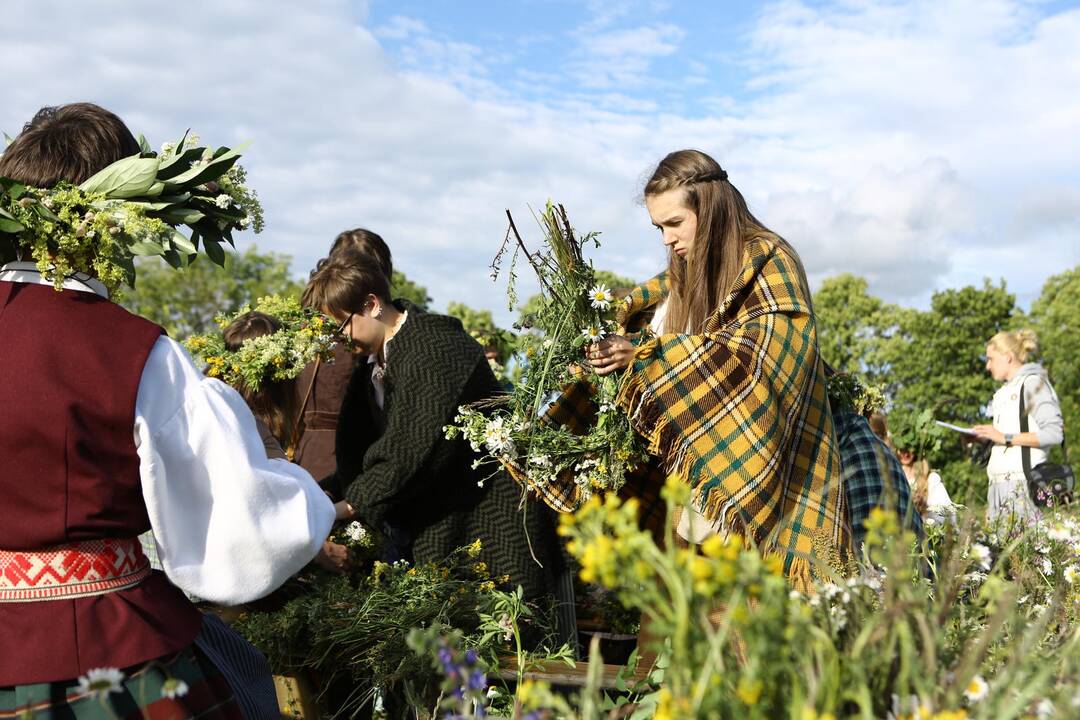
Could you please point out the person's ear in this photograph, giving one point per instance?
(374, 307)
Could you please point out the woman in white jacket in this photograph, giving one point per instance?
(1007, 356)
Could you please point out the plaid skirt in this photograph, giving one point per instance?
(200, 690)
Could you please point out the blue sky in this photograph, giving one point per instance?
(922, 144)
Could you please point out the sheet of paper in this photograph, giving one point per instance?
(957, 428)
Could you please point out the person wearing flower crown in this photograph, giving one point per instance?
(398, 469)
(109, 430)
(726, 385)
(274, 403)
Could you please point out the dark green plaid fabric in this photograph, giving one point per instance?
(208, 695)
(873, 477)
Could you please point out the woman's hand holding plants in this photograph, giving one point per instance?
(612, 354)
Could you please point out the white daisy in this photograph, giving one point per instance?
(982, 555)
(976, 690)
(101, 681)
(497, 437)
(1044, 710)
(355, 531)
(1059, 533)
(593, 334)
(601, 297)
(174, 688)
(1072, 574)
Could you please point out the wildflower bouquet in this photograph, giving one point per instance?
(304, 336)
(573, 312)
(133, 207)
(353, 631)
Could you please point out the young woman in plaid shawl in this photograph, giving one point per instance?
(728, 389)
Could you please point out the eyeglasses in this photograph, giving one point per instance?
(345, 324)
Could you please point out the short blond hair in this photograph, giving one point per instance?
(1023, 344)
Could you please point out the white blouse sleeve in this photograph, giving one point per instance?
(230, 524)
(939, 506)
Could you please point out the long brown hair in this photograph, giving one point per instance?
(700, 282)
(274, 401)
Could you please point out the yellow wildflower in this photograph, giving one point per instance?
(749, 691)
(532, 693)
(474, 549)
(663, 705)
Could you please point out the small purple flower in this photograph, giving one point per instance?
(477, 680)
(470, 657)
(446, 657)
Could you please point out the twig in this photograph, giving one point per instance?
(528, 255)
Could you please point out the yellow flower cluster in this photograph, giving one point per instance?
(533, 694)
(606, 540)
(474, 549)
(923, 712)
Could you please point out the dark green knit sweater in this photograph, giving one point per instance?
(398, 467)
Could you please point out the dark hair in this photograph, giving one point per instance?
(342, 284)
(724, 225)
(275, 402)
(364, 242)
(67, 142)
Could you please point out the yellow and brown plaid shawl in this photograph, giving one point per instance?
(740, 413)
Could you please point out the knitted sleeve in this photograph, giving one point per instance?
(425, 382)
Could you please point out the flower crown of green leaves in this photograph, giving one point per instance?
(917, 434)
(133, 207)
(304, 336)
(849, 392)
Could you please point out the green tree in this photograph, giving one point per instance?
(185, 301)
(1055, 317)
(853, 326)
(481, 325)
(402, 287)
(936, 359)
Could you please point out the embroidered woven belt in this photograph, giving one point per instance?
(82, 569)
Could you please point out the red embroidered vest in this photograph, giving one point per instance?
(70, 366)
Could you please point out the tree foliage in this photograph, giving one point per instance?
(185, 301)
(852, 325)
(1055, 317)
(404, 288)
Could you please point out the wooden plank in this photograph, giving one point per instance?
(558, 673)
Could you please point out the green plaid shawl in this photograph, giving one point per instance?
(740, 413)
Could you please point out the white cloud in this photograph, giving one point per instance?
(623, 58)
